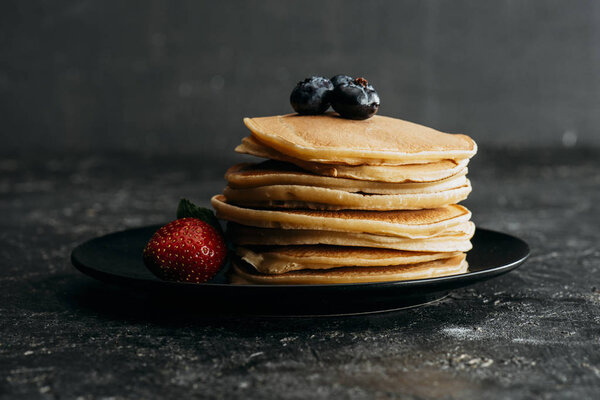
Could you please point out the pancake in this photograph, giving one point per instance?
(456, 238)
(428, 172)
(267, 173)
(282, 259)
(378, 140)
(245, 274)
(410, 224)
(319, 198)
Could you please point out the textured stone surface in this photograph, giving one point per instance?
(534, 333)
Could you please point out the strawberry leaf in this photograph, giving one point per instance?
(187, 209)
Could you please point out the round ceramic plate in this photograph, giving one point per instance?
(117, 258)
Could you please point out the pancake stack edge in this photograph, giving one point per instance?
(323, 209)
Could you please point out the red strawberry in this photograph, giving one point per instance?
(185, 250)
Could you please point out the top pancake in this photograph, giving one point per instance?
(379, 140)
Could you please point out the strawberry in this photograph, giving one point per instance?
(187, 249)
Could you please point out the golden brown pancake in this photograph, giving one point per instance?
(282, 259)
(267, 173)
(424, 172)
(456, 238)
(410, 224)
(319, 198)
(379, 140)
(244, 274)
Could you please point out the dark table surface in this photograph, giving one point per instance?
(534, 333)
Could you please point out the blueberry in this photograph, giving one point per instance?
(355, 100)
(339, 79)
(311, 96)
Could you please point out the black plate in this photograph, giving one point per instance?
(117, 258)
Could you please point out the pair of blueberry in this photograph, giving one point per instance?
(351, 98)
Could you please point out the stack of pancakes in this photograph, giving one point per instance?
(344, 201)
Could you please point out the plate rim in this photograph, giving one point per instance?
(468, 276)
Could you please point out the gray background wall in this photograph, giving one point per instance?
(178, 76)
